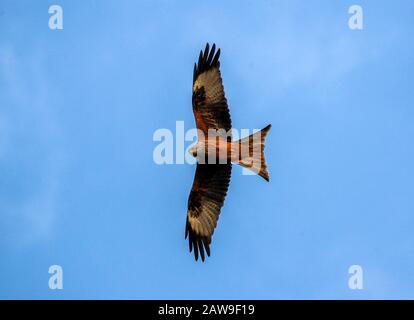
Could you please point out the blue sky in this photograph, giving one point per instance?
(79, 188)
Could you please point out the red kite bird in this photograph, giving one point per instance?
(215, 152)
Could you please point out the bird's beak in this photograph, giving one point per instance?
(193, 150)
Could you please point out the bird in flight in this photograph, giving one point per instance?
(215, 152)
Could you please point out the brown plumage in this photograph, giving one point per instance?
(212, 179)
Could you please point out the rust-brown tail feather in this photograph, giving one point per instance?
(254, 159)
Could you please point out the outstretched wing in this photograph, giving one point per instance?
(207, 196)
(209, 103)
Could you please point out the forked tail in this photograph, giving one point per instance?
(250, 151)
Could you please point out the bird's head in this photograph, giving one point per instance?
(193, 150)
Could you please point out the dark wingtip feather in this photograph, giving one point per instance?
(206, 246)
(206, 50)
(216, 58)
(195, 72)
(190, 242)
(200, 62)
(195, 250)
(211, 55)
(206, 60)
(201, 249)
(201, 245)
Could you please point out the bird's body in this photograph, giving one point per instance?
(215, 152)
(214, 147)
(218, 149)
